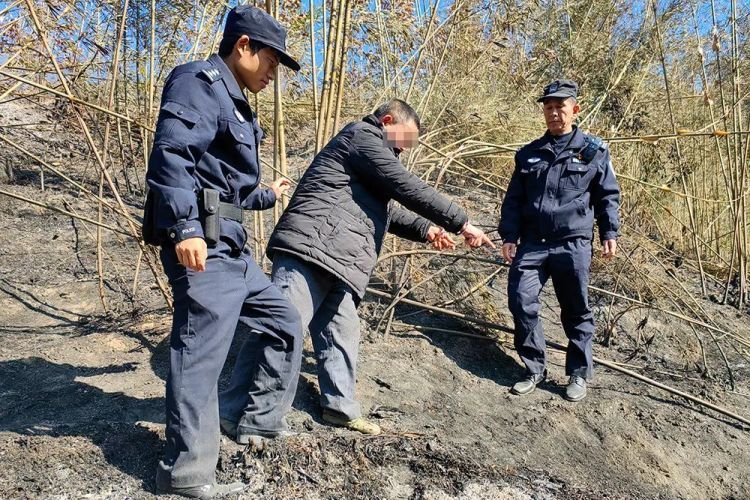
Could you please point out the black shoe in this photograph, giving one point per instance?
(528, 383)
(205, 491)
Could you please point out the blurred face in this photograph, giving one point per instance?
(560, 113)
(400, 136)
(254, 71)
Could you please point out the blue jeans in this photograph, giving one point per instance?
(567, 263)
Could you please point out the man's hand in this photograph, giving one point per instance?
(280, 186)
(475, 237)
(609, 249)
(192, 253)
(440, 239)
(509, 251)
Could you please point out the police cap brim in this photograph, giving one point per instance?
(556, 95)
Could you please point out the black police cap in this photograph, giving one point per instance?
(560, 89)
(260, 27)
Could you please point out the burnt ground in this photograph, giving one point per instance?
(81, 392)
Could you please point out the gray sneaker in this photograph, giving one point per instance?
(576, 389)
(528, 383)
(214, 490)
(255, 438)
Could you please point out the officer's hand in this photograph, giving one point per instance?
(280, 186)
(475, 237)
(440, 239)
(509, 251)
(610, 249)
(192, 253)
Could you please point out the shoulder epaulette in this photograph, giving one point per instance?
(212, 73)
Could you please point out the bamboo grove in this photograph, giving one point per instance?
(665, 82)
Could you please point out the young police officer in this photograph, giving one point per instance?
(562, 181)
(203, 172)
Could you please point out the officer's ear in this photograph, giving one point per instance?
(243, 44)
(576, 107)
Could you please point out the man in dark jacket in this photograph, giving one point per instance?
(204, 166)
(562, 181)
(326, 244)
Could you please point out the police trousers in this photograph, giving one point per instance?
(567, 263)
(207, 308)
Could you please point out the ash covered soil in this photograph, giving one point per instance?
(82, 392)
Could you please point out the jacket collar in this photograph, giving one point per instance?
(576, 143)
(373, 121)
(228, 77)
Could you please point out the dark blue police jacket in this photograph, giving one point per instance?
(207, 136)
(551, 199)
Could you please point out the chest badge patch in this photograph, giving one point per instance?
(239, 115)
(534, 160)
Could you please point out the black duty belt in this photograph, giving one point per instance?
(229, 211)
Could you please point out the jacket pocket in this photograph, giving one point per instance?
(180, 111)
(176, 123)
(244, 145)
(576, 176)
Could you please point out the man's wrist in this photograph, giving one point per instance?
(184, 230)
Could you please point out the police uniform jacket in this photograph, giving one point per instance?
(553, 198)
(342, 207)
(207, 136)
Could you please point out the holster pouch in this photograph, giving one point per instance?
(208, 202)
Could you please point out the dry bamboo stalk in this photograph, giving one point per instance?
(105, 143)
(314, 70)
(64, 212)
(99, 258)
(76, 100)
(381, 39)
(328, 107)
(95, 150)
(62, 175)
(420, 51)
(498, 262)
(342, 72)
(327, 70)
(426, 41)
(424, 102)
(151, 68)
(137, 273)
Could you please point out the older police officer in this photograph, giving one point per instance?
(561, 183)
(203, 171)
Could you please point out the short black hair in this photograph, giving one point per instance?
(400, 111)
(229, 41)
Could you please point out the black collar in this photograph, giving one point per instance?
(375, 122)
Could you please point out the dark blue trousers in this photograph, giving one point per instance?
(208, 306)
(567, 263)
